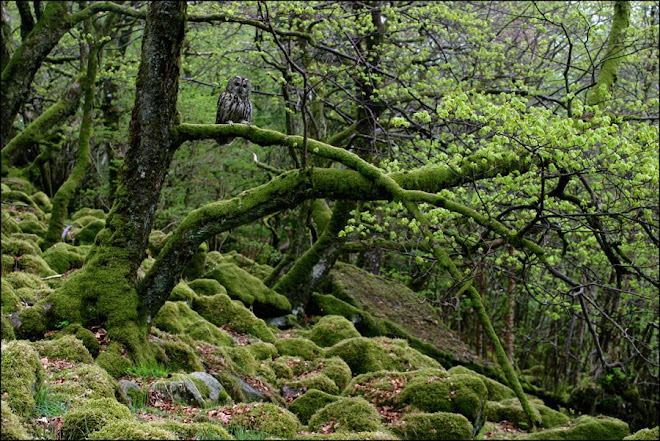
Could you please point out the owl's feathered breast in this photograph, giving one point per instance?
(232, 107)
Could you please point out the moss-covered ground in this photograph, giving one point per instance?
(359, 370)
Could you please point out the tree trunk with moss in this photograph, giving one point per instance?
(613, 54)
(104, 290)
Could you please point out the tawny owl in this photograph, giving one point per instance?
(234, 106)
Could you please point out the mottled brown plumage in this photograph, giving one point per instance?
(234, 106)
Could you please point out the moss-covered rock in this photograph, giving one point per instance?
(435, 426)
(464, 394)
(81, 221)
(61, 257)
(243, 359)
(21, 375)
(114, 361)
(265, 417)
(496, 390)
(33, 227)
(8, 224)
(584, 428)
(182, 293)
(18, 184)
(309, 403)
(221, 310)
(509, 410)
(11, 427)
(156, 242)
(373, 354)
(644, 434)
(19, 279)
(316, 380)
(383, 435)
(347, 415)
(18, 247)
(7, 330)
(258, 270)
(131, 429)
(86, 336)
(32, 323)
(207, 287)
(281, 369)
(84, 381)
(250, 290)
(88, 233)
(41, 199)
(67, 348)
(34, 265)
(194, 430)
(380, 388)
(24, 202)
(86, 211)
(181, 356)
(7, 264)
(192, 389)
(178, 318)
(91, 415)
(327, 304)
(10, 300)
(262, 350)
(337, 370)
(332, 329)
(195, 268)
(298, 347)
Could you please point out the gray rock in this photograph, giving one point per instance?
(251, 394)
(181, 390)
(214, 385)
(126, 387)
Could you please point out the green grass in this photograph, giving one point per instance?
(48, 403)
(245, 434)
(149, 370)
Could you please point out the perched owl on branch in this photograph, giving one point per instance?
(234, 106)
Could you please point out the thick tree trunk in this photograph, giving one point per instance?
(104, 290)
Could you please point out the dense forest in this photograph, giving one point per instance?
(330, 220)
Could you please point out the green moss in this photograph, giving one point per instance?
(464, 394)
(178, 318)
(86, 336)
(347, 415)
(195, 268)
(41, 199)
(31, 296)
(309, 403)
(584, 428)
(18, 247)
(373, 354)
(7, 264)
(550, 417)
(95, 212)
(156, 242)
(10, 300)
(35, 265)
(181, 356)
(382, 435)
(364, 322)
(21, 375)
(265, 417)
(88, 233)
(281, 369)
(11, 428)
(131, 430)
(250, 290)
(332, 329)
(19, 184)
(221, 310)
(61, 257)
(313, 381)
(194, 430)
(33, 227)
(66, 347)
(33, 323)
(81, 221)
(207, 287)
(8, 224)
(435, 426)
(262, 350)
(337, 370)
(256, 269)
(7, 330)
(84, 381)
(22, 199)
(243, 359)
(298, 347)
(90, 415)
(496, 390)
(113, 361)
(182, 293)
(24, 280)
(509, 410)
(644, 434)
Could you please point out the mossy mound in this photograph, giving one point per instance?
(113, 361)
(496, 390)
(23, 202)
(584, 428)
(32, 323)
(316, 380)
(178, 318)
(435, 426)
(62, 257)
(182, 293)
(243, 359)
(298, 347)
(10, 300)
(331, 329)
(87, 234)
(19, 184)
(128, 429)
(91, 415)
(509, 410)
(644, 434)
(11, 427)
(194, 269)
(24, 280)
(84, 381)
(256, 269)
(347, 415)
(374, 354)
(221, 310)
(7, 330)
(464, 394)
(192, 389)
(36, 265)
(261, 350)
(95, 212)
(67, 348)
(327, 304)
(41, 199)
(8, 224)
(33, 227)
(207, 287)
(180, 356)
(21, 375)
(250, 290)
(265, 417)
(384, 435)
(86, 336)
(14, 246)
(194, 430)
(156, 242)
(7, 264)
(309, 403)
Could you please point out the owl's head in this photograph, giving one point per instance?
(239, 86)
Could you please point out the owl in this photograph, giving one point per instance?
(234, 106)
